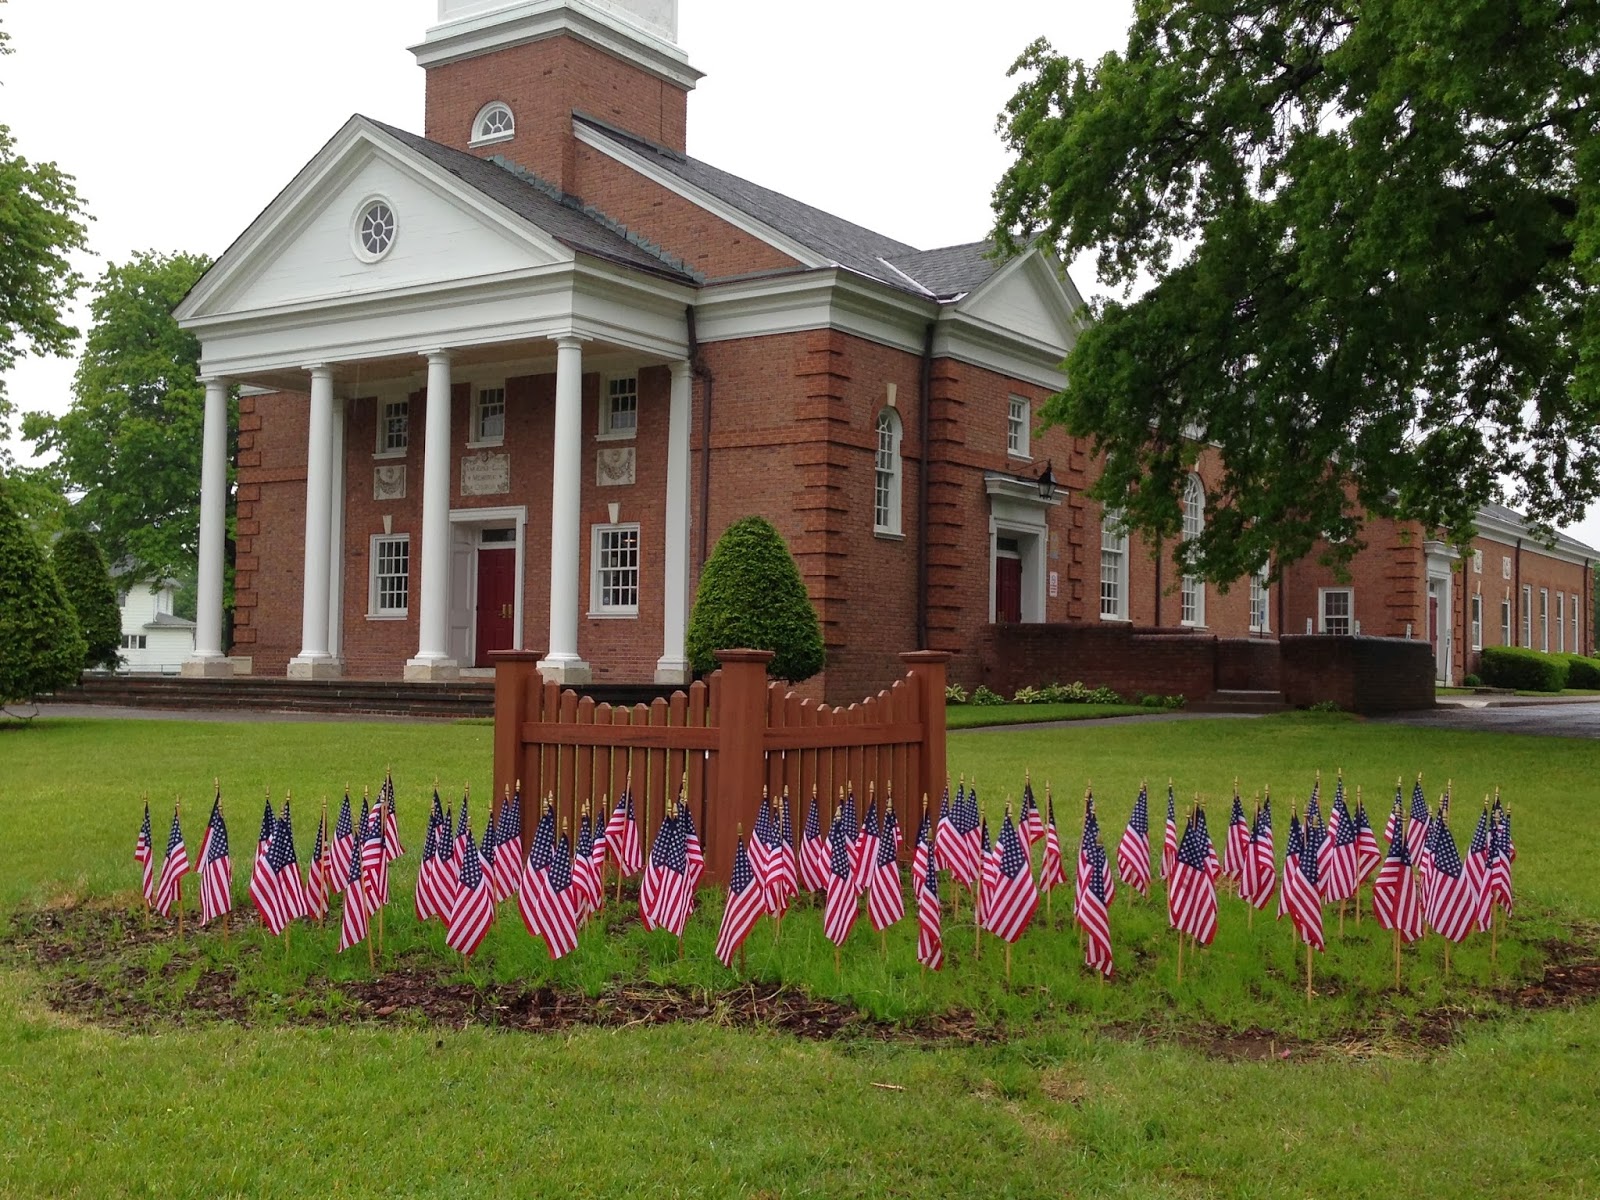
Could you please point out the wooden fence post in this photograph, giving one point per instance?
(515, 674)
(741, 720)
(929, 668)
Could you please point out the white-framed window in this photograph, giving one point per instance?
(1192, 593)
(488, 416)
(389, 584)
(1527, 616)
(1544, 619)
(1260, 619)
(1577, 644)
(619, 407)
(1505, 621)
(394, 428)
(1477, 562)
(1477, 620)
(134, 641)
(1018, 422)
(886, 474)
(1337, 611)
(1113, 568)
(494, 123)
(375, 229)
(1505, 567)
(614, 588)
(1561, 623)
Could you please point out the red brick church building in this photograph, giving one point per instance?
(503, 384)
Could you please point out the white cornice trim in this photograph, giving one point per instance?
(720, 209)
(1506, 534)
(503, 28)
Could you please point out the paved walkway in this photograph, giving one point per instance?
(249, 716)
(1092, 722)
(1568, 716)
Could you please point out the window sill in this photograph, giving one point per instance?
(490, 444)
(629, 435)
(1118, 620)
(1260, 629)
(494, 140)
(1197, 626)
(382, 455)
(1019, 456)
(888, 535)
(613, 615)
(400, 616)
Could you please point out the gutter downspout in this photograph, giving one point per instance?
(1158, 583)
(1588, 604)
(924, 404)
(697, 364)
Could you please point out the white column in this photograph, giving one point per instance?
(673, 665)
(336, 538)
(433, 659)
(561, 663)
(207, 659)
(314, 661)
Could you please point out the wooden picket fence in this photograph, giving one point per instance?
(717, 744)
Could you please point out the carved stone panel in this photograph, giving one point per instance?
(486, 475)
(389, 481)
(614, 466)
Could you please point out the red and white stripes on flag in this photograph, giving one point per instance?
(560, 907)
(145, 855)
(1450, 903)
(427, 896)
(813, 858)
(1092, 912)
(1298, 898)
(319, 873)
(216, 868)
(1395, 902)
(1051, 872)
(1499, 880)
(1233, 847)
(1368, 853)
(1169, 840)
(344, 838)
(622, 837)
(169, 891)
(886, 901)
(743, 909)
(353, 923)
(474, 908)
(843, 903)
(533, 896)
(1133, 851)
(1009, 904)
(1192, 889)
(1029, 823)
(925, 878)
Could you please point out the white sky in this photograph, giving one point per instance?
(181, 119)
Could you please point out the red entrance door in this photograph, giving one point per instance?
(1433, 621)
(497, 571)
(1008, 590)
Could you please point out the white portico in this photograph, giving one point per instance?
(392, 266)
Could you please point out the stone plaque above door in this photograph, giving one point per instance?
(486, 474)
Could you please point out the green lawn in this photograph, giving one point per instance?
(1084, 1090)
(974, 716)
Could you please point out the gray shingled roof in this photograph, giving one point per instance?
(535, 200)
(1509, 516)
(832, 238)
(950, 271)
(163, 620)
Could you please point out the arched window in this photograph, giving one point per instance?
(494, 123)
(886, 476)
(1193, 607)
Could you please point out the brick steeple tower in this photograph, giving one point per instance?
(505, 76)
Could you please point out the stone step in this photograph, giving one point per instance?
(1240, 700)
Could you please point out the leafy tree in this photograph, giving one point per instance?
(86, 581)
(40, 646)
(751, 596)
(1371, 239)
(131, 440)
(41, 224)
(36, 493)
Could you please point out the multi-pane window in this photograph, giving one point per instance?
(1561, 623)
(619, 413)
(1477, 621)
(1544, 619)
(1258, 602)
(489, 416)
(1527, 616)
(1113, 568)
(1017, 427)
(616, 570)
(1505, 622)
(1337, 604)
(133, 641)
(391, 576)
(1192, 594)
(886, 474)
(1577, 646)
(394, 426)
(494, 123)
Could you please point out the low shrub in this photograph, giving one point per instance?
(1524, 670)
(1076, 692)
(1028, 695)
(1582, 672)
(1472, 681)
(1326, 706)
(954, 693)
(985, 697)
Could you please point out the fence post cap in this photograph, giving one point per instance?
(744, 656)
(914, 657)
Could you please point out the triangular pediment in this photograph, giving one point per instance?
(1030, 297)
(304, 250)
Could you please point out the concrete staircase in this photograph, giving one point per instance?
(1240, 701)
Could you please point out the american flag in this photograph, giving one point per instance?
(275, 883)
(779, 884)
(925, 877)
(1051, 874)
(585, 885)
(865, 851)
(597, 862)
(1505, 819)
(813, 850)
(1091, 835)
(392, 849)
(886, 901)
(353, 921)
(988, 870)
(1249, 873)
(458, 853)
(1169, 841)
(427, 905)
(263, 886)
(694, 857)
(508, 844)
(665, 894)
(1477, 869)
(533, 896)
(373, 865)
(1395, 902)
(1368, 853)
(759, 849)
(1451, 900)
(446, 869)
(317, 881)
(1192, 902)
(1009, 906)
(264, 838)
(744, 907)
(975, 836)
(344, 839)
(788, 863)
(622, 837)
(474, 908)
(1417, 830)
(1233, 849)
(1336, 857)
(560, 920)
(1133, 851)
(216, 869)
(1396, 814)
(1266, 856)
(1213, 865)
(843, 904)
(144, 854)
(1030, 824)
(1092, 909)
(1498, 883)
(950, 850)
(486, 852)
(1297, 898)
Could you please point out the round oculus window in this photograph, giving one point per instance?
(375, 229)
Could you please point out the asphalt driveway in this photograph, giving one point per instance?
(1553, 718)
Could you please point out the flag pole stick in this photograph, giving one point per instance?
(1447, 958)
(1180, 956)
(1397, 956)
(838, 969)
(1494, 930)
(1249, 916)
(1341, 919)
(1308, 973)
(176, 805)
(372, 957)
(1008, 964)
(883, 944)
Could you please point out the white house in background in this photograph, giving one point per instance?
(153, 639)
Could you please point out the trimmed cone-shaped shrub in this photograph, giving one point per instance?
(40, 646)
(86, 580)
(751, 596)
